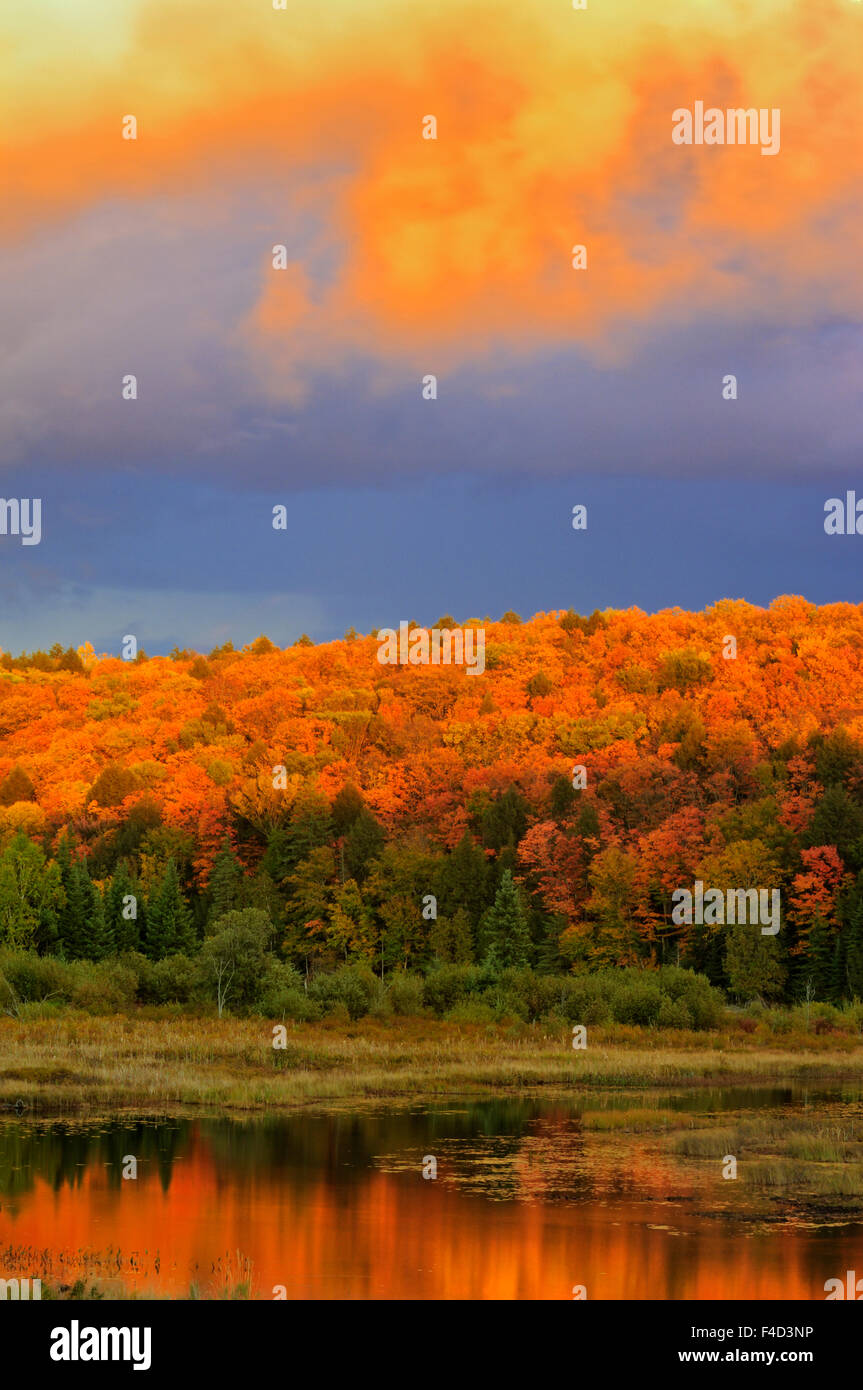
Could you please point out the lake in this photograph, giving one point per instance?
(532, 1199)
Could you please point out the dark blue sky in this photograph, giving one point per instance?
(190, 564)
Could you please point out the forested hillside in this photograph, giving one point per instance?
(402, 815)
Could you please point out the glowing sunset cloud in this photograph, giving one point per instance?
(553, 129)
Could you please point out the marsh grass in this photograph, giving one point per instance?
(803, 1156)
(118, 1275)
(77, 1061)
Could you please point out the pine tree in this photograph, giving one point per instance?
(95, 939)
(364, 840)
(854, 947)
(125, 927)
(464, 880)
(461, 938)
(753, 962)
(169, 922)
(505, 931)
(278, 858)
(67, 926)
(73, 925)
(548, 957)
(225, 887)
(820, 958)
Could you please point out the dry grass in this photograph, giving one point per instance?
(78, 1061)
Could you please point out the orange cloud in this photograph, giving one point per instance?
(554, 128)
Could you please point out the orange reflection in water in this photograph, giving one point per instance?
(374, 1234)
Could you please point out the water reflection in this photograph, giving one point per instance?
(531, 1198)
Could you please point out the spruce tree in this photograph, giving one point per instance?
(853, 934)
(464, 880)
(67, 928)
(505, 930)
(461, 939)
(169, 929)
(95, 939)
(74, 917)
(126, 928)
(363, 842)
(820, 958)
(225, 888)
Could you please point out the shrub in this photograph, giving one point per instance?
(673, 1013)
(282, 995)
(506, 1003)
(353, 986)
(444, 987)
(638, 1002)
(293, 1004)
(176, 979)
(28, 978)
(103, 986)
(406, 994)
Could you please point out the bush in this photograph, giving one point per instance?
(406, 994)
(354, 987)
(104, 987)
(673, 1013)
(282, 995)
(293, 1004)
(637, 1002)
(28, 978)
(446, 985)
(506, 1003)
(176, 979)
(781, 1021)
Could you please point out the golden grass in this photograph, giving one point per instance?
(78, 1061)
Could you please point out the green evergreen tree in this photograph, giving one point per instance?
(310, 827)
(347, 805)
(66, 926)
(125, 927)
(837, 820)
(563, 797)
(363, 842)
(74, 921)
(504, 820)
(95, 940)
(853, 933)
(225, 888)
(169, 928)
(548, 958)
(464, 880)
(504, 929)
(753, 963)
(820, 959)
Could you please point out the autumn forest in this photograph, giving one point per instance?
(346, 814)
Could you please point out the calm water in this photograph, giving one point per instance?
(531, 1198)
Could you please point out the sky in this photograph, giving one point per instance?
(302, 387)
